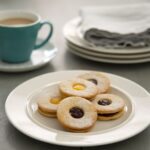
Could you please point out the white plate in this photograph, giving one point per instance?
(108, 60)
(39, 58)
(21, 110)
(107, 56)
(70, 33)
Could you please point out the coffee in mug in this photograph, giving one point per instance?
(16, 21)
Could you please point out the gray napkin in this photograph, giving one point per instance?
(116, 40)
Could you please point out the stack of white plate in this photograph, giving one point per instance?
(78, 46)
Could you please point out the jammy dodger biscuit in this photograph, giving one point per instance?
(48, 102)
(109, 106)
(76, 114)
(99, 79)
(78, 87)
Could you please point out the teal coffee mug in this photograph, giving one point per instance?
(18, 35)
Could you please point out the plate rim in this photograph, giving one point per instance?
(105, 60)
(113, 56)
(72, 144)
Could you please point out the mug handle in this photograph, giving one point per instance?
(49, 35)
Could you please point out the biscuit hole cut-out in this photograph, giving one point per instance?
(79, 86)
(76, 112)
(93, 81)
(55, 100)
(104, 102)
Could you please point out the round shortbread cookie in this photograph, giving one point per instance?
(76, 114)
(112, 116)
(47, 105)
(78, 87)
(99, 79)
(108, 103)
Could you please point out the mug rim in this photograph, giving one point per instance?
(23, 12)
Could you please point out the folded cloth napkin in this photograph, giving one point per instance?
(117, 26)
